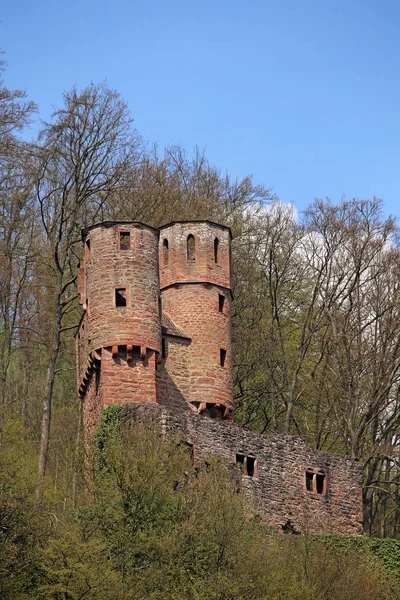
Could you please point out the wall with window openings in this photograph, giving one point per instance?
(272, 472)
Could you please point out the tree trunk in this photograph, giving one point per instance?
(47, 402)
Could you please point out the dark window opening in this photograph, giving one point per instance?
(240, 458)
(165, 252)
(222, 357)
(309, 481)
(120, 297)
(251, 462)
(315, 482)
(124, 240)
(164, 348)
(216, 244)
(191, 248)
(248, 464)
(320, 480)
(221, 302)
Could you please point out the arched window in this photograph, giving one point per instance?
(165, 252)
(216, 254)
(191, 248)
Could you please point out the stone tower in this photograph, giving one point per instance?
(195, 282)
(119, 337)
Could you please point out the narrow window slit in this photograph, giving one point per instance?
(165, 252)
(216, 248)
(221, 302)
(250, 464)
(309, 481)
(320, 481)
(191, 248)
(222, 357)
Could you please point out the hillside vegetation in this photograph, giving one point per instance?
(157, 528)
(316, 353)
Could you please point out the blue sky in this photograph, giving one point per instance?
(303, 95)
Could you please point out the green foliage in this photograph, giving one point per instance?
(387, 549)
(22, 529)
(157, 527)
(75, 567)
(106, 430)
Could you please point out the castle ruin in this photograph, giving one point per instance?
(155, 336)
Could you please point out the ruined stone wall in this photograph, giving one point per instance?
(276, 492)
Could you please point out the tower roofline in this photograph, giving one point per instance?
(197, 221)
(85, 231)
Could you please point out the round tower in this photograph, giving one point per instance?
(122, 285)
(195, 282)
(119, 338)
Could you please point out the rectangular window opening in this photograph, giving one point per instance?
(248, 464)
(222, 357)
(120, 297)
(240, 459)
(163, 348)
(309, 481)
(320, 483)
(251, 464)
(221, 302)
(124, 240)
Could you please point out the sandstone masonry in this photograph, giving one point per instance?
(155, 337)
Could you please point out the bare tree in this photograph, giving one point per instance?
(85, 153)
(16, 221)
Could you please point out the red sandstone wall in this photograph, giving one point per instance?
(173, 374)
(203, 268)
(195, 308)
(135, 269)
(123, 381)
(190, 291)
(277, 493)
(91, 410)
